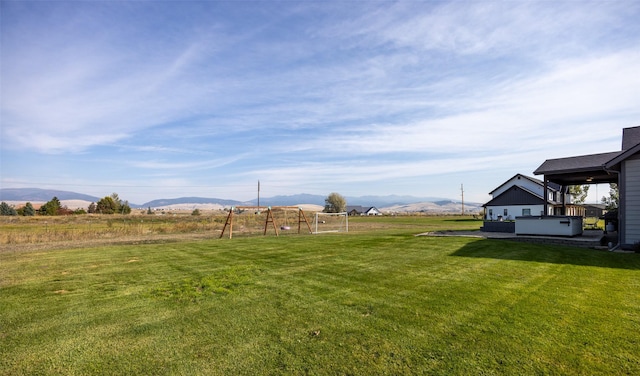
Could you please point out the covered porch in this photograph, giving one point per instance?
(580, 170)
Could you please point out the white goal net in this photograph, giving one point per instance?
(330, 222)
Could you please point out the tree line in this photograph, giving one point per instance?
(106, 205)
(334, 203)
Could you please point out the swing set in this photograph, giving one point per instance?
(269, 218)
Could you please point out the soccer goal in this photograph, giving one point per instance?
(331, 222)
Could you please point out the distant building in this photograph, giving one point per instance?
(354, 210)
(372, 211)
(594, 210)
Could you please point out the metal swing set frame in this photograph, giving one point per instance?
(302, 218)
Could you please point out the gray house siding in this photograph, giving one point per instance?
(631, 197)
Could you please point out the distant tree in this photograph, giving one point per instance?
(28, 209)
(116, 199)
(79, 211)
(6, 209)
(125, 208)
(149, 210)
(579, 193)
(92, 208)
(335, 203)
(611, 202)
(51, 207)
(106, 205)
(195, 212)
(112, 205)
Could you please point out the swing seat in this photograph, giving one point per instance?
(285, 228)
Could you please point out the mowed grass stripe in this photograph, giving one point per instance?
(364, 303)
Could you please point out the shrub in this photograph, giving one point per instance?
(51, 208)
(5, 209)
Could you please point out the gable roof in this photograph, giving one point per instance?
(534, 180)
(516, 195)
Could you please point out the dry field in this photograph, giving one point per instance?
(78, 231)
(40, 232)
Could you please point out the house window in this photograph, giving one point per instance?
(506, 212)
(526, 212)
(491, 213)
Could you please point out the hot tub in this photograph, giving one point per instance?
(550, 225)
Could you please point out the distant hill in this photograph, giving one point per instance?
(189, 200)
(303, 198)
(390, 203)
(37, 194)
(442, 206)
(390, 200)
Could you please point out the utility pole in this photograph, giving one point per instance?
(462, 194)
(258, 195)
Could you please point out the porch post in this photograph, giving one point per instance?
(545, 197)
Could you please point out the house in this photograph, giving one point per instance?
(524, 196)
(594, 210)
(354, 210)
(620, 167)
(372, 211)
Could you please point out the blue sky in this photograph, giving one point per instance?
(170, 99)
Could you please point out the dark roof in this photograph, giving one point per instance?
(623, 155)
(578, 170)
(592, 168)
(599, 206)
(575, 164)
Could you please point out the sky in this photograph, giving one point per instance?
(153, 99)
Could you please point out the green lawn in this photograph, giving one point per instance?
(367, 302)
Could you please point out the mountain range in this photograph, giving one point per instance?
(394, 202)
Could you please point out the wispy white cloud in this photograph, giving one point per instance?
(181, 167)
(377, 92)
(574, 97)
